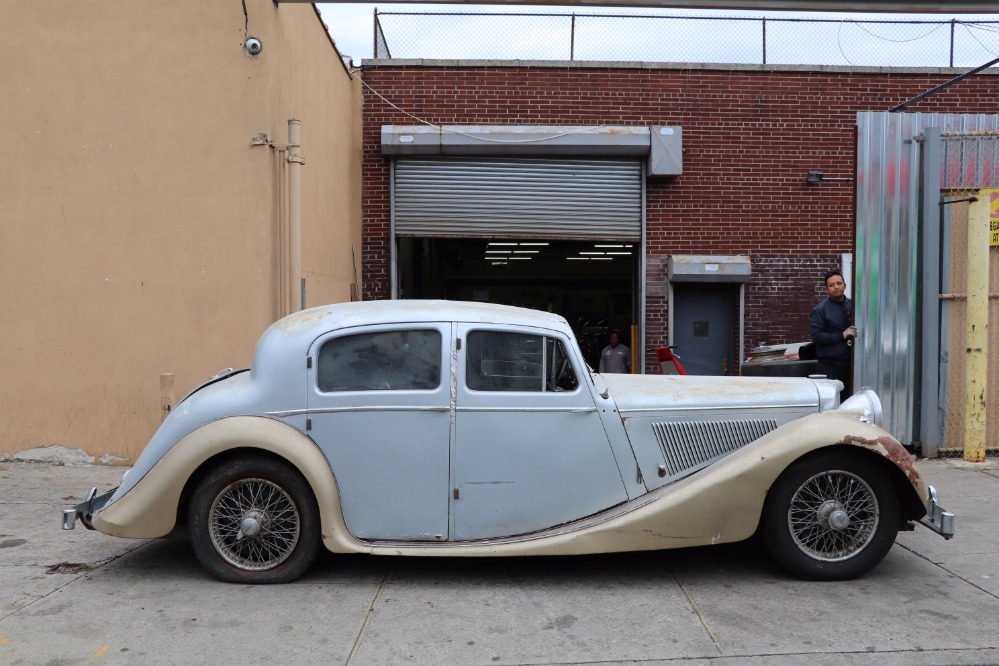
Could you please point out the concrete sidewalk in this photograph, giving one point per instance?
(930, 602)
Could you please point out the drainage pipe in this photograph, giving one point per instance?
(295, 162)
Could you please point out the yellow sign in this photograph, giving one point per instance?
(993, 216)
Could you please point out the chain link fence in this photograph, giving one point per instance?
(701, 39)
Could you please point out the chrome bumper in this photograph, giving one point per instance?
(86, 509)
(937, 518)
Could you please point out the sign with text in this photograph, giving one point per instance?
(993, 196)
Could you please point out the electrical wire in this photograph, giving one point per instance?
(987, 49)
(839, 43)
(448, 130)
(898, 41)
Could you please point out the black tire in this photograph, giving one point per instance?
(270, 500)
(832, 515)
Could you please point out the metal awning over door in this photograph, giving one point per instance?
(518, 197)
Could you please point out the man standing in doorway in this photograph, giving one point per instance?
(833, 332)
(615, 358)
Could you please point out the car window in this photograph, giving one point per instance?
(383, 361)
(558, 367)
(504, 361)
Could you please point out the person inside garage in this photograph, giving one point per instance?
(615, 357)
(833, 331)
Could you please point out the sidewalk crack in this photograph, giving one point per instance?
(697, 611)
(952, 573)
(74, 579)
(367, 616)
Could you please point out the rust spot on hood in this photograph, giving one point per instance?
(893, 450)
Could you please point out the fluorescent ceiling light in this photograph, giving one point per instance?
(502, 243)
(525, 251)
(499, 263)
(577, 258)
(625, 253)
(601, 258)
(600, 253)
(522, 243)
(498, 251)
(608, 246)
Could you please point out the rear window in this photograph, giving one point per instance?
(403, 360)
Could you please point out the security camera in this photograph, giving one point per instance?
(253, 46)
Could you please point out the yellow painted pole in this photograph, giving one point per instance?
(977, 359)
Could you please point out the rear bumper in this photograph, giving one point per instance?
(937, 518)
(86, 509)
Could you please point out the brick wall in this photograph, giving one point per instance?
(749, 138)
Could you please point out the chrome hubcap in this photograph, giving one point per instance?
(833, 516)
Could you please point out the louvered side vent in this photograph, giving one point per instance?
(693, 445)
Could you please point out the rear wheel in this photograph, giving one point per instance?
(254, 520)
(831, 516)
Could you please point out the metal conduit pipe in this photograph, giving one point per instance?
(295, 162)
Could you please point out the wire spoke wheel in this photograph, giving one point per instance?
(254, 524)
(833, 515)
(254, 520)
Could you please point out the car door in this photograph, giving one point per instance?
(530, 449)
(379, 408)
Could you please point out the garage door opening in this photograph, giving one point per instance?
(593, 284)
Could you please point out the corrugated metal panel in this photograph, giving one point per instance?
(518, 197)
(886, 262)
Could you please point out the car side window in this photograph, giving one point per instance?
(559, 372)
(403, 360)
(505, 361)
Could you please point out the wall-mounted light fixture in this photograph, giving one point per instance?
(816, 177)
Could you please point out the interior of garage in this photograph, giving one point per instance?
(593, 284)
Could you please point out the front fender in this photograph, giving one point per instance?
(149, 509)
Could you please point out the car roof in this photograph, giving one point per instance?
(293, 335)
(366, 313)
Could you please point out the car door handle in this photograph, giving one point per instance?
(583, 410)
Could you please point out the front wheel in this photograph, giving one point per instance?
(831, 516)
(254, 520)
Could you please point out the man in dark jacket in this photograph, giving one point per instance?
(833, 332)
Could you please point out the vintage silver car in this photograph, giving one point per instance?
(465, 429)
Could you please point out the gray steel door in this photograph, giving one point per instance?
(521, 197)
(530, 452)
(702, 327)
(380, 402)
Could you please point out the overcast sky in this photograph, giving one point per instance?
(351, 26)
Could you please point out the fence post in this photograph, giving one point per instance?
(976, 366)
(374, 35)
(764, 40)
(572, 38)
(952, 42)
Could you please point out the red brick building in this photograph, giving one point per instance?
(750, 134)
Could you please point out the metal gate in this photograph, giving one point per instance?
(911, 168)
(518, 198)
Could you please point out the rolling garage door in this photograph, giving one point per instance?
(518, 197)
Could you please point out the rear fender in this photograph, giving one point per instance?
(149, 509)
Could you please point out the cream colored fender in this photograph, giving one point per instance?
(149, 510)
(720, 504)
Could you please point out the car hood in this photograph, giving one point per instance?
(647, 393)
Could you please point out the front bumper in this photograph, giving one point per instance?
(86, 509)
(937, 518)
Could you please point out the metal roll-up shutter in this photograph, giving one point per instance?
(518, 197)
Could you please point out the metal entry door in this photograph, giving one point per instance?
(703, 327)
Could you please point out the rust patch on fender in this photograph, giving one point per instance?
(891, 449)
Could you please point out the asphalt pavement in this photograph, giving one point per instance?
(79, 597)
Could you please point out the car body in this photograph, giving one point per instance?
(467, 429)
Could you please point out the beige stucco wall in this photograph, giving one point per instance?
(140, 233)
